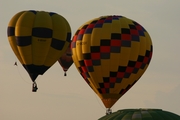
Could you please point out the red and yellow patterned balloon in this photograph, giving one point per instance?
(111, 53)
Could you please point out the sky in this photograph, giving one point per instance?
(67, 98)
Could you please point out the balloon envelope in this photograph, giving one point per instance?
(111, 53)
(66, 60)
(141, 114)
(38, 39)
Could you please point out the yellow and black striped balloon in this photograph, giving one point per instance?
(38, 39)
(111, 53)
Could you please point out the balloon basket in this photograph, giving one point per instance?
(108, 111)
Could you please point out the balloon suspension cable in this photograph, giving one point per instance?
(16, 64)
(34, 87)
(108, 111)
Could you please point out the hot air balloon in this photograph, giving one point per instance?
(66, 60)
(111, 53)
(38, 39)
(141, 114)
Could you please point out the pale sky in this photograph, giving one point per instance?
(70, 98)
